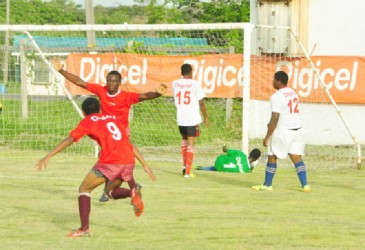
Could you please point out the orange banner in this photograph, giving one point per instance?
(221, 75)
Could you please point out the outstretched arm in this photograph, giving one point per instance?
(152, 95)
(71, 77)
(203, 109)
(42, 163)
(140, 158)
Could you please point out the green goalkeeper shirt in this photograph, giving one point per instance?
(235, 161)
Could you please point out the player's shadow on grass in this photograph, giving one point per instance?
(233, 179)
(228, 178)
(175, 171)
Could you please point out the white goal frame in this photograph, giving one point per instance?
(246, 27)
(166, 27)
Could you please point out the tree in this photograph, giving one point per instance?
(195, 11)
(39, 12)
(225, 11)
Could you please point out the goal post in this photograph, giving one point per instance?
(238, 86)
(327, 131)
(53, 71)
(58, 82)
(332, 100)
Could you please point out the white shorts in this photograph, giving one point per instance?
(284, 142)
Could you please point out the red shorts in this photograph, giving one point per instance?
(114, 171)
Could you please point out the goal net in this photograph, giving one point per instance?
(234, 63)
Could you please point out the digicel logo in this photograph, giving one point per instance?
(304, 79)
(92, 70)
(211, 76)
(223, 72)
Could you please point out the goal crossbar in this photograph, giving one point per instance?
(245, 53)
(126, 27)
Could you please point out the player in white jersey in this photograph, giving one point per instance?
(189, 102)
(285, 135)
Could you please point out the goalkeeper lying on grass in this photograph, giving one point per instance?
(235, 161)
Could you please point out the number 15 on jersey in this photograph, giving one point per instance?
(183, 97)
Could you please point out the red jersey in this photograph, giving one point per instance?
(110, 134)
(118, 104)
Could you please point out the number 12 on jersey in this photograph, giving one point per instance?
(293, 105)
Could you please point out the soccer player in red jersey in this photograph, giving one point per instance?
(115, 102)
(116, 161)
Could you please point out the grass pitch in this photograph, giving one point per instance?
(211, 211)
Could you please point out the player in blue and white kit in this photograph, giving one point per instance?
(285, 135)
(189, 102)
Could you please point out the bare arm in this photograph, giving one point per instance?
(271, 127)
(71, 77)
(203, 109)
(152, 95)
(140, 158)
(42, 163)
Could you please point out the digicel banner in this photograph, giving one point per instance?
(221, 75)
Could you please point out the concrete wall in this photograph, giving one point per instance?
(321, 123)
(335, 28)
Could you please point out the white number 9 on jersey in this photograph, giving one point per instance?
(114, 130)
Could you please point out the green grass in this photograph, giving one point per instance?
(153, 123)
(211, 211)
(156, 120)
(153, 130)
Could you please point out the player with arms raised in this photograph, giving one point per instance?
(189, 102)
(116, 161)
(285, 135)
(115, 102)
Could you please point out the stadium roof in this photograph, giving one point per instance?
(50, 42)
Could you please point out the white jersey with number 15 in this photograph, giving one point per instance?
(286, 102)
(187, 93)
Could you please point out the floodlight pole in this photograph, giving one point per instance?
(89, 10)
(6, 54)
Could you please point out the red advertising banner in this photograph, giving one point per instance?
(221, 75)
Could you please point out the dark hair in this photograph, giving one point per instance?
(186, 69)
(255, 154)
(116, 73)
(90, 106)
(282, 77)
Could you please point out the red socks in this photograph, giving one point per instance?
(189, 158)
(84, 210)
(120, 193)
(184, 145)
